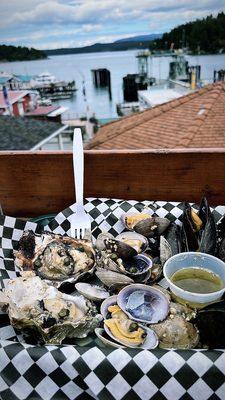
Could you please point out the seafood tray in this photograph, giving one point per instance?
(48, 356)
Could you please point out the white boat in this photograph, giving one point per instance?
(45, 80)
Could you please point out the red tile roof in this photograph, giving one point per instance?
(194, 120)
(42, 110)
(13, 96)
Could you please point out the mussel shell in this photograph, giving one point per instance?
(100, 241)
(210, 321)
(151, 340)
(92, 292)
(128, 235)
(132, 214)
(122, 250)
(209, 236)
(190, 237)
(173, 237)
(151, 315)
(152, 226)
(141, 264)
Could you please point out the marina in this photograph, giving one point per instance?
(77, 67)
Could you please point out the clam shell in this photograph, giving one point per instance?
(151, 340)
(92, 292)
(110, 301)
(140, 257)
(100, 334)
(111, 278)
(129, 236)
(152, 226)
(151, 314)
(165, 250)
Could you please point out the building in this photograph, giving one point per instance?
(192, 121)
(19, 100)
(24, 103)
(10, 81)
(28, 133)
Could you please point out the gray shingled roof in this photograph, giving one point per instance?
(21, 133)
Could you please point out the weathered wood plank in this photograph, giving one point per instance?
(42, 182)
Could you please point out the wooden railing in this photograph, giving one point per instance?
(33, 183)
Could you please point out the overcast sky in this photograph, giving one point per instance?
(73, 23)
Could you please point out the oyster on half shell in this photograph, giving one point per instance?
(46, 314)
(54, 257)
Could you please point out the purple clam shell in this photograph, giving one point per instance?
(143, 303)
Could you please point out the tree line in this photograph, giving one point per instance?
(14, 53)
(203, 36)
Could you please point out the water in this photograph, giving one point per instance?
(78, 67)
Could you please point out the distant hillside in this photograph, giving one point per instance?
(13, 53)
(142, 38)
(203, 36)
(120, 45)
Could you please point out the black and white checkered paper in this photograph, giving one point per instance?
(89, 370)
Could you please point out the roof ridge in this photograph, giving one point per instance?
(201, 118)
(153, 112)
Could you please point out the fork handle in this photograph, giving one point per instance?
(78, 168)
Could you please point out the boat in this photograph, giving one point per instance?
(45, 79)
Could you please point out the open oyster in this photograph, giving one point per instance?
(46, 314)
(54, 257)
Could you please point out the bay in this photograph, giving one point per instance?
(78, 67)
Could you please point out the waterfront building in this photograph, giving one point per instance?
(195, 120)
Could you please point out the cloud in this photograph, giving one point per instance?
(45, 23)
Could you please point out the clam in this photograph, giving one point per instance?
(120, 328)
(131, 219)
(175, 332)
(130, 333)
(102, 335)
(135, 240)
(92, 292)
(46, 314)
(138, 265)
(152, 227)
(143, 303)
(112, 279)
(54, 257)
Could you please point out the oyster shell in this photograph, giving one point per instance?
(92, 292)
(175, 332)
(143, 303)
(54, 257)
(48, 315)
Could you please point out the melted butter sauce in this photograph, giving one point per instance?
(197, 280)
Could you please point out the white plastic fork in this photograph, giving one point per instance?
(80, 222)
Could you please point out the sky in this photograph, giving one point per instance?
(53, 24)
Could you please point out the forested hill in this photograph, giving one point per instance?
(13, 53)
(201, 36)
